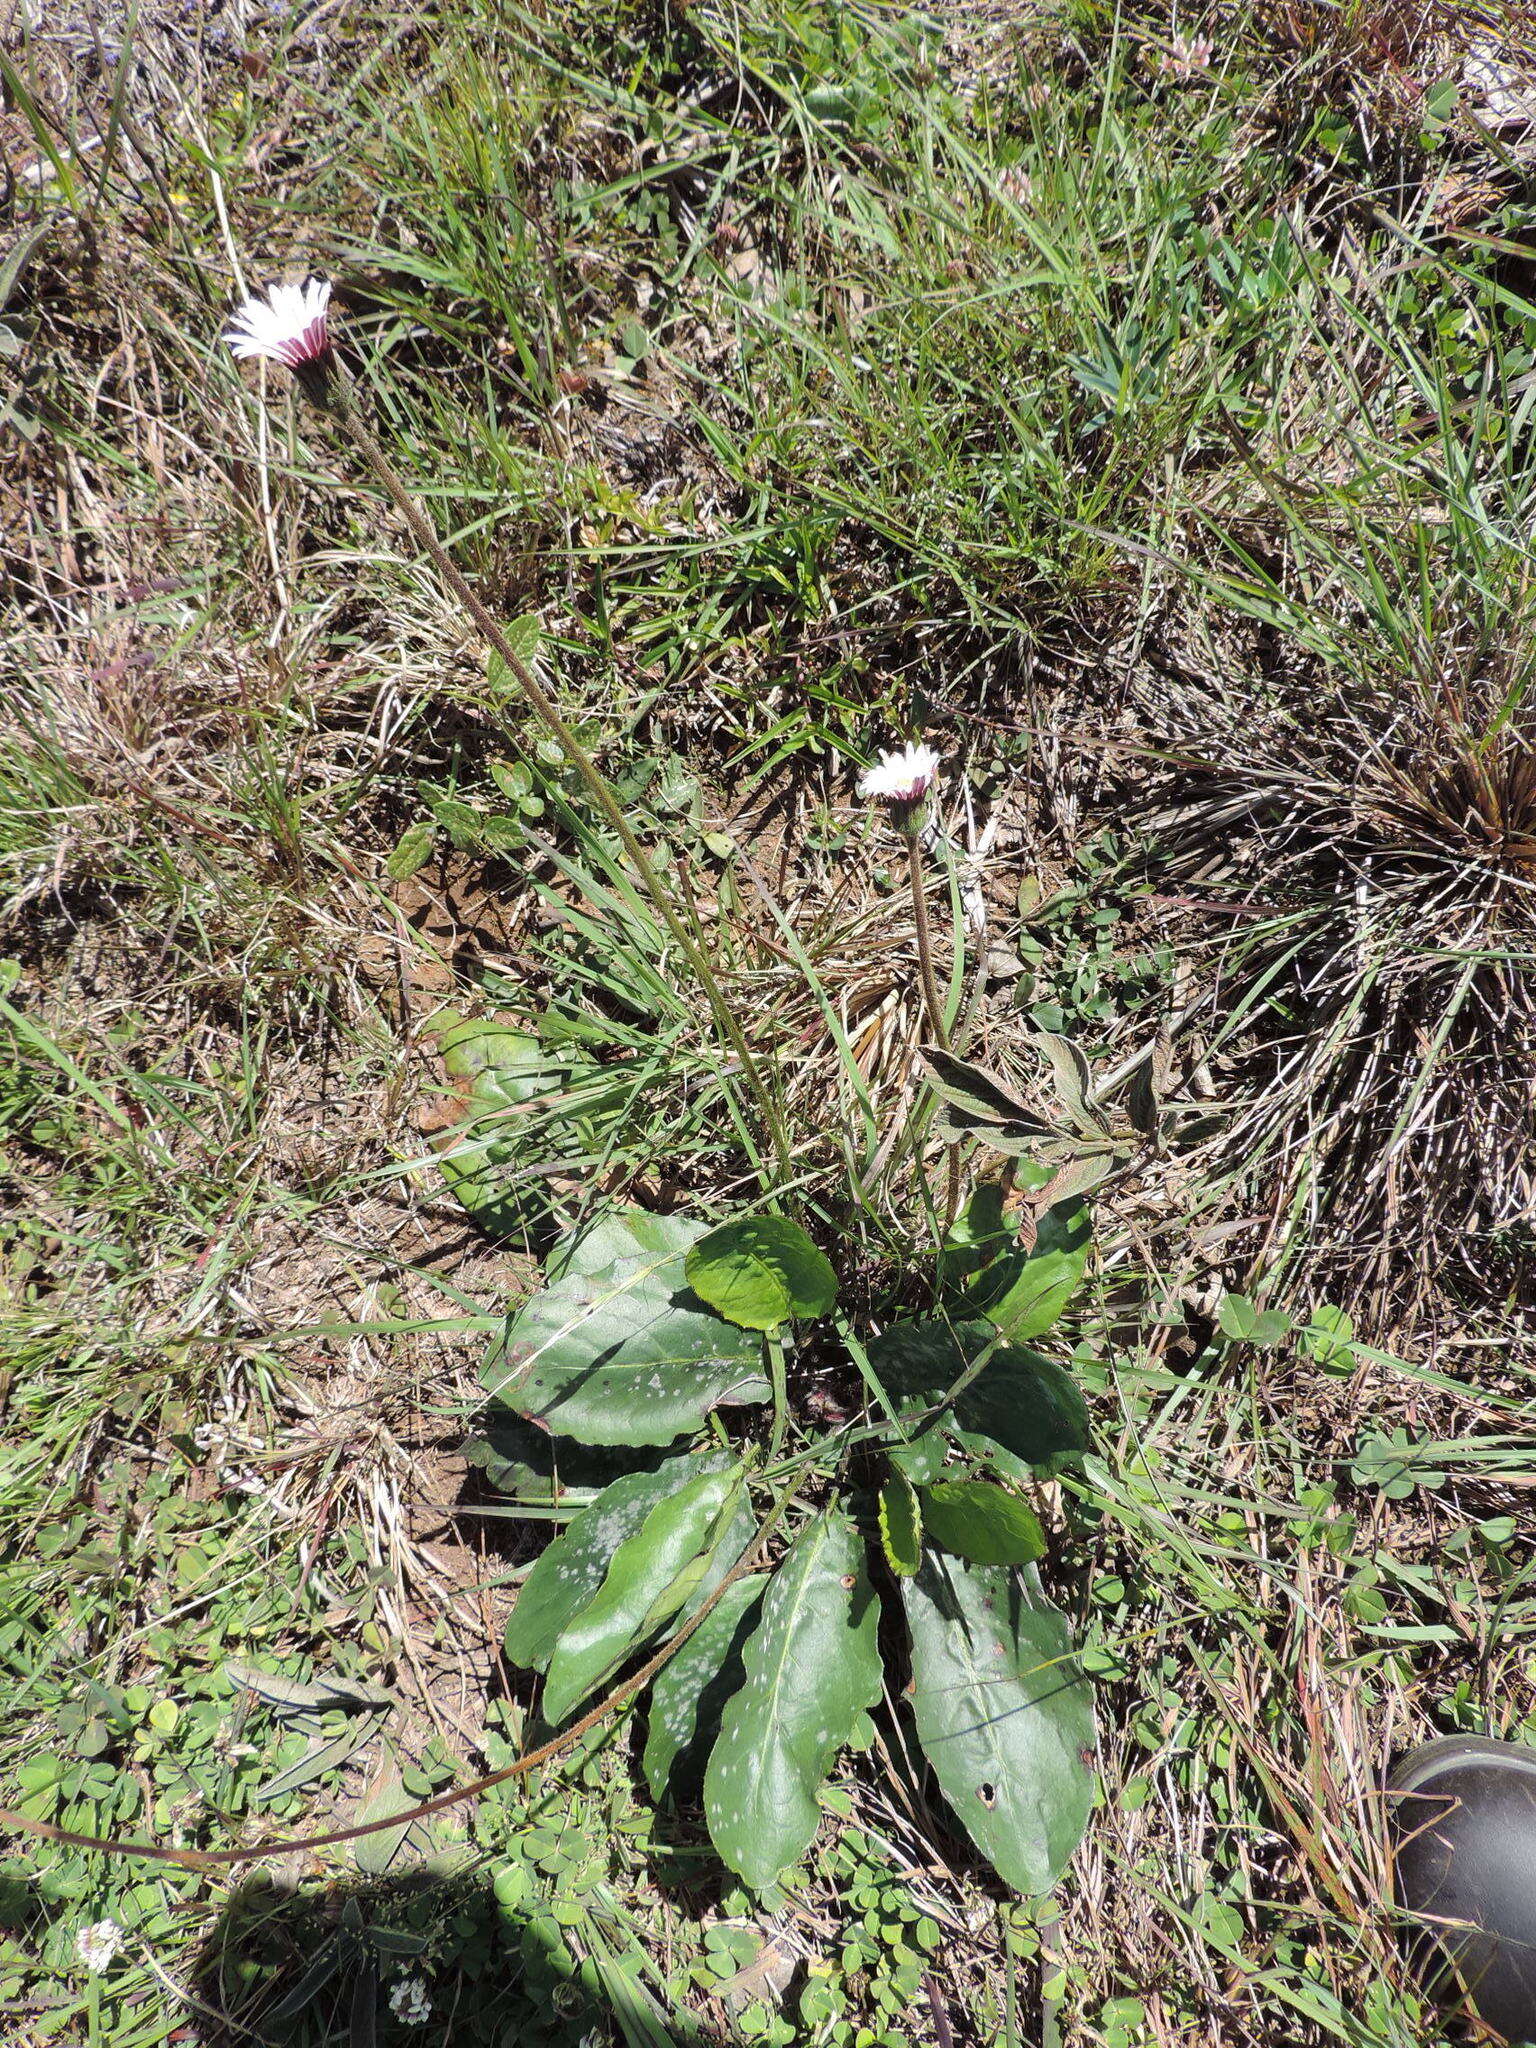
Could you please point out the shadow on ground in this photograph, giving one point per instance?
(424, 1956)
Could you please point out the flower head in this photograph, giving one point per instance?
(903, 775)
(1186, 56)
(97, 1945)
(288, 326)
(410, 2001)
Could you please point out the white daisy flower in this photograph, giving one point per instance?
(409, 2001)
(97, 1945)
(901, 776)
(289, 325)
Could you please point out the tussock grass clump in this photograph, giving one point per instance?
(1385, 883)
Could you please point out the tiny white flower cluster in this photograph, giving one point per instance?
(98, 1944)
(903, 775)
(410, 2001)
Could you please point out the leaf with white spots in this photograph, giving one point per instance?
(691, 1690)
(626, 1354)
(572, 1568)
(1004, 1714)
(652, 1574)
(812, 1666)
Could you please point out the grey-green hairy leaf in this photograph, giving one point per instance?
(524, 636)
(812, 1667)
(1003, 1714)
(651, 1575)
(571, 1568)
(1073, 1078)
(624, 1355)
(691, 1690)
(292, 1696)
(972, 1090)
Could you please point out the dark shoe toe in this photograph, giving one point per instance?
(1464, 1862)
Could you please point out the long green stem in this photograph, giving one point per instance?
(337, 401)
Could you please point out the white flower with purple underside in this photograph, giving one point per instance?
(97, 1945)
(903, 775)
(290, 325)
(410, 2001)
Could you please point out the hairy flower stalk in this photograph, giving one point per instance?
(291, 327)
(901, 780)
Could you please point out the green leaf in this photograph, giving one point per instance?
(519, 1458)
(901, 1524)
(761, 1270)
(525, 636)
(1022, 1292)
(627, 1354)
(1023, 1412)
(413, 849)
(622, 1234)
(812, 1666)
(1245, 1323)
(570, 1570)
(651, 1575)
(1328, 1338)
(1003, 1714)
(982, 1521)
(979, 1234)
(497, 1069)
(691, 1690)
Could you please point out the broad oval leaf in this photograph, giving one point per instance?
(1022, 1292)
(1003, 1714)
(812, 1666)
(692, 1688)
(571, 1568)
(651, 1575)
(760, 1271)
(901, 1524)
(621, 1234)
(983, 1522)
(413, 849)
(1023, 1412)
(624, 1355)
